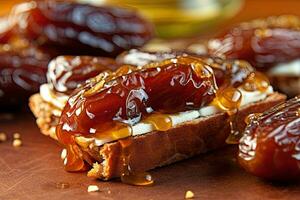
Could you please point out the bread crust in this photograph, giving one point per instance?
(44, 113)
(185, 140)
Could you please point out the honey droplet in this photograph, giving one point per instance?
(228, 99)
(127, 175)
(256, 81)
(251, 117)
(161, 122)
(125, 69)
(234, 136)
(119, 131)
(62, 185)
(139, 179)
(74, 160)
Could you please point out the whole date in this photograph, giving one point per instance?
(270, 147)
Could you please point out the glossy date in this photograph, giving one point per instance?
(76, 28)
(66, 73)
(22, 69)
(262, 42)
(129, 97)
(270, 147)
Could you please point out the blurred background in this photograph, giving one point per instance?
(190, 18)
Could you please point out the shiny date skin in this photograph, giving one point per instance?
(66, 73)
(128, 98)
(23, 68)
(270, 147)
(132, 93)
(235, 71)
(262, 42)
(75, 28)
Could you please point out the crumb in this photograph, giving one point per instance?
(96, 171)
(3, 137)
(109, 192)
(189, 194)
(17, 143)
(63, 154)
(17, 135)
(93, 188)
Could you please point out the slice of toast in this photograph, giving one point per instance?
(156, 148)
(185, 140)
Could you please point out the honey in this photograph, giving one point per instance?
(251, 117)
(161, 122)
(256, 81)
(229, 100)
(74, 160)
(139, 179)
(128, 176)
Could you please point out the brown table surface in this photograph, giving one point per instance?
(33, 171)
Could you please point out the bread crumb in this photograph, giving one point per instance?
(189, 194)
(17, 135)
(96, 171)
(17, 143)
(93, 188)
(3, 137)
(63, 154)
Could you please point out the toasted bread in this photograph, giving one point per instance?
(156, 149)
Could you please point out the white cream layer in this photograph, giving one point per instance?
(291, 68)
(142, 128)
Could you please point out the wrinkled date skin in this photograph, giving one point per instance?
(76, 28)
(129, 97)
(22, 70)
(263, 42)
(270, 147)
(66, 73)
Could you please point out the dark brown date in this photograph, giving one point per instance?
(130, 97)
(66, 73)
(22, 69)
(262, 42)
(270, 147)
(235, 71)
(78, 28)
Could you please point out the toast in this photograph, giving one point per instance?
(156, 149)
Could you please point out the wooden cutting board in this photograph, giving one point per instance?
(35, 171)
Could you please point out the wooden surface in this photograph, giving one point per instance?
(34, 170)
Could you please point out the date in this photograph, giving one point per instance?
(262, 42)
(235, 71)
(270, 147)
(75, 28)
(22, 69)
(66, 73)
(127, 98)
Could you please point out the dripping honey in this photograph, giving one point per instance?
(128, 176)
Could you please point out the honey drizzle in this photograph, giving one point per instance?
(161, 122)
(128, 176)
(229, 100)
